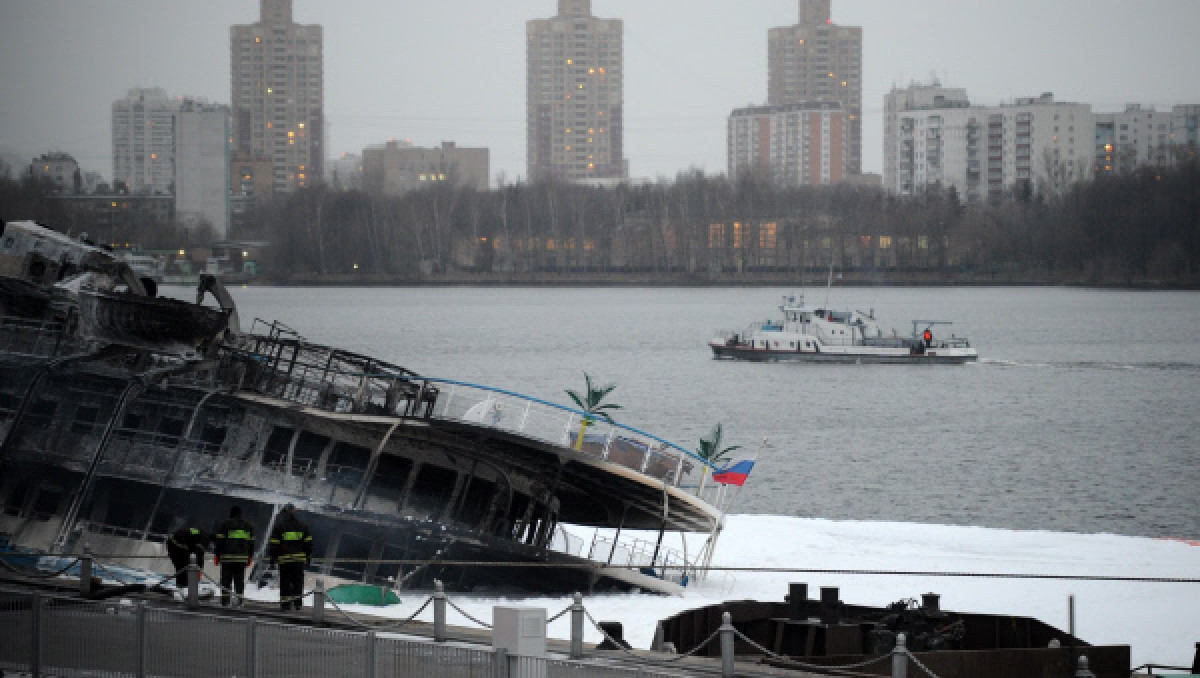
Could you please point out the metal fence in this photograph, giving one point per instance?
(46, 635)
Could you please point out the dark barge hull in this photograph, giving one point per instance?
(828, 632)
(827, 358)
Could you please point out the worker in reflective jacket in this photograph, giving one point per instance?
(234, 553)
(181, 545)
(291, 549)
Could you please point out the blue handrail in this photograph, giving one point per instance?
(573, 410)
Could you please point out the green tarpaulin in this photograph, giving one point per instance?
(363, 594)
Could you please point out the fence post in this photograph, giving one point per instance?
(85, 571)
(577, 627)
(439, 612)
(251, 647)
(500, 663)
(1083, 671)
(726, 632)
(140, 623)
(35, 645)
(370, 655)
(1071, 614)
(193, 580)
(900, 657)
(318, 611)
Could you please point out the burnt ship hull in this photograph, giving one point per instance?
(124, 416)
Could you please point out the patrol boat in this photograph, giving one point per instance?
(125, 415)
(822, 335)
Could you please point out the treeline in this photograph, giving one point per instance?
(1135, 228)
(30, 198)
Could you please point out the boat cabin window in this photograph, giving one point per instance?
(42, 413)
(515, 517)
(275, 452)
(14, 498)
(353, 554)
(46, 503)
(307, 453)
(432, 490)
(347, 464)
(478, 499)
(212, 436)
(9, 403)
(130, 426)
(388, 572)
(85, 418)
(391, 474)
(170, 429)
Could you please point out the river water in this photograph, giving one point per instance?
(1081, 416)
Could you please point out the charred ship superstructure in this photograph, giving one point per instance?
(124, 415)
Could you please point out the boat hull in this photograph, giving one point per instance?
(847, 356)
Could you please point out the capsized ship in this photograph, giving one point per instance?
(822, 335)
(125, 415)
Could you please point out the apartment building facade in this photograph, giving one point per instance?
(1131, 138)
(278, 94)
(575, 96)
(143, 141)
(800, 144)
(818, 60)
(202, 165)
(932, 135)
(397, 167)
(60, 168)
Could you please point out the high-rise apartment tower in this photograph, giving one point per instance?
(574, 95)
(277, 82)
(817, 60)
(143, 138)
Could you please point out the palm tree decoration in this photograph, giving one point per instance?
(710, 448)
(593, 405)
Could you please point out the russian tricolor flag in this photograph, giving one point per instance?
(735, 473)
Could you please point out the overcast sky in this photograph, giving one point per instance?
(455, 69)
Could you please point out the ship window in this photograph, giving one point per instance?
(353, 552)
(386, 570)
(169, 429)
(14, 499)
(477, 501)
(45, 505)
(9, 403)
(213, 436)
(85, 418)
(307, 453)
(516, 515)
(42, 413)
(432, 490)
(276, 451)
(130, 426)
(347, 464)
(390, 476)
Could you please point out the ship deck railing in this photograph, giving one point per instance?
(33, 338)
(348, 383)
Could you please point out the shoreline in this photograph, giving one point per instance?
(635, 280)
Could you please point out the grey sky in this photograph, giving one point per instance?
(455, 70)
